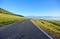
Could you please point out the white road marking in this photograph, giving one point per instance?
(41, 30)
(23, 22)
(8, 38)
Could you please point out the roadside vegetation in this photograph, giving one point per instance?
(52, 25)
(8, 17)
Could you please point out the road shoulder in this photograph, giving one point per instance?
(41, 29)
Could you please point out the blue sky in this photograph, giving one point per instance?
(32, 7)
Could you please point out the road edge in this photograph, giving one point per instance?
(8, 25)
(41, 29)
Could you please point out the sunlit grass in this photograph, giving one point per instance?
(6, 19)
(56, 22)
(48, 25)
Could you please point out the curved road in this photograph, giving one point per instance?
(21, 30)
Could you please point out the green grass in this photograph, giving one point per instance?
(7, 19)
(48, 25)
(56, 22)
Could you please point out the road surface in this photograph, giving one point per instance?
(21, 30)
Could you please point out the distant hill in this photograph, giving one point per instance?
(45, 17)
(3, 11)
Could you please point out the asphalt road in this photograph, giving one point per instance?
(21, 30)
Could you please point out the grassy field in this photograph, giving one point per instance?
(55, 22)
(6, 19)
(53, 25)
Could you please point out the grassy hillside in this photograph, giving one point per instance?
(6, 17)
(55, 22)
(52, 26)
(7, 12)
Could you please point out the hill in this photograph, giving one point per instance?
(7, 17)
(45, 17)
(7, 12)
